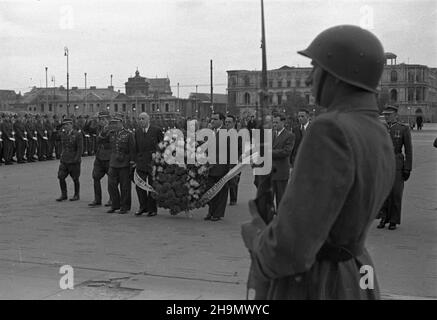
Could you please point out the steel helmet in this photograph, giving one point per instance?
(350, 53)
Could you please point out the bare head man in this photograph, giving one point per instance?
(303, 116)
(144, 120)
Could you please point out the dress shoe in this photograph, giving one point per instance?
(95, 204)
(112, 210)
(8, 163)
(75, 198)
(381, 225)
(215, 219)
(232, 203)
(30, 160)
(21, 161)
(123, 211)
(152, 214)
(108, 204)
(140, 212)
(207, 218)
(392, 226)
(62, 198)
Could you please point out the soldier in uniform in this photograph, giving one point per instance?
(8, 139)
(72, 144)
(42, 138)
(120, 162)
(31, 139)
(20, 138)
(401, 138)
(56, 136)
(315, 247)
(48, 130)
(101, 162)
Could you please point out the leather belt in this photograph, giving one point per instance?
(335, 253)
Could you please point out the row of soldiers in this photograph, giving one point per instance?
(35, 137)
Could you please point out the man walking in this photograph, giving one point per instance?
(103, 154)
(120, 162)
(401, 138)
(147, 138)
(72, 145)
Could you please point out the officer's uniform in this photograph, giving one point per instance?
(101, 162)
(48, 130)
(72, 146)
(56, 136)
(401, 138)
(122, 153)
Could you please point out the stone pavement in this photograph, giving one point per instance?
(178, 257)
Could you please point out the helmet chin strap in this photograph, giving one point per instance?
(320, 86)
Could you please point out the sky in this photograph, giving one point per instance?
(178, 38)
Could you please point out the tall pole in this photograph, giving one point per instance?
(85, 95)
(68, 82)
(47, 91)
(197, 110)
(263, 94)
(54, 94)
(178, 108)
(111, 80)
(212, 90)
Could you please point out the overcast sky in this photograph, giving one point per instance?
(178, 37)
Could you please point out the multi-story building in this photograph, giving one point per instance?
(7, 98)
(412, 87)
(287, 90)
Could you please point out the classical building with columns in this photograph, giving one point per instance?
(284, 85)
(412, 87)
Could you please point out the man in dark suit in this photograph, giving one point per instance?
(299, 132)
(147, 138)
(282, 146)
(217, 205)
(233, 183)
(20, 138)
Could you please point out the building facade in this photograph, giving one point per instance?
(7, 99)
(412, 87)
(287, 90)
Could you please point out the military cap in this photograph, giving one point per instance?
(390, 109)
(67, 121)
(116, 119)
(103, 114)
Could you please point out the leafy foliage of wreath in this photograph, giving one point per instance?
(178, 187)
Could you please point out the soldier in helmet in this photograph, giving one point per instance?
(72, 145)
(120, 162)
(7, 135)
(20, 138)
(314, 248)
(403, 150)
(103, 154)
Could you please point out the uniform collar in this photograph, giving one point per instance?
(357, 101)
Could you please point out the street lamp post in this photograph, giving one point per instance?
(47, 91)
(86, 107)
(68, 82)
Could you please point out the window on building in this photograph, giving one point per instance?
(393, 95)
(247, 98)
(297, 82)
(153, 107)
(288, 83)
(60, 106)
(393, 76)
(50, 107)
(247, 81)
(29, 108)
(42, 107)
(124, 107)
(270, 98)
(116, 107)
(233, 81)
(270, 84)
(233, 98)
(133, 106)
(410, 76)
(418, 78)
(98, 106)
(279, 98)
(307, 99)
(166, 108)
(92, 107)
(410, 94)
(418, 94)
(34, 108)
(143, 107)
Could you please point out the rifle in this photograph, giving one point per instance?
(263, 203)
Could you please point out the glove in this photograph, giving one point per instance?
(406, 174)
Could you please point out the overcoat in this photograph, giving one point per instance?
(343, 172)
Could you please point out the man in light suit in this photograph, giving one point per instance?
(282, 146)
(147, 138)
